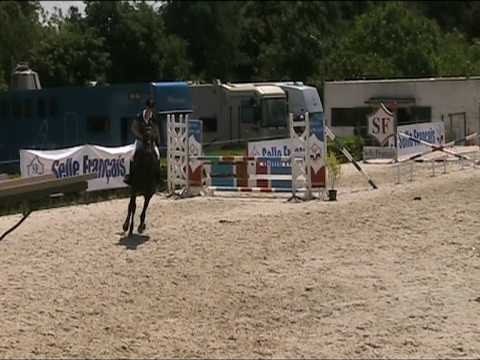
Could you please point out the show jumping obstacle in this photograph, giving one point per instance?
(410, 162)
(26, 191)
(276, 174)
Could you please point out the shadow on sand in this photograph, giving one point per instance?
(131, 242)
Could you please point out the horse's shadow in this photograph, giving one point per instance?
(131, 242)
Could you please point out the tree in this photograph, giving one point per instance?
(69, 54)
(20, 30)
(458, 57)
(388, 41)
(289, 40)
(449, 15)
(3, 83)
(137, 42)
(211, 30)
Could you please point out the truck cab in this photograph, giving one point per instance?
(302, 98)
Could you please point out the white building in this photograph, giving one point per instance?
(455, 101)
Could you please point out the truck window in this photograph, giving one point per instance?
(274, 112)
(247, 112)
(316, 116)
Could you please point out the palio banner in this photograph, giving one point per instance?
(288, 147)
(110, 164)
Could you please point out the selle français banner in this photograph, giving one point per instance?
(110, 164)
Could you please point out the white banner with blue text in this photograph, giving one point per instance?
(110, 164)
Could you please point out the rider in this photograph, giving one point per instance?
(146, 118)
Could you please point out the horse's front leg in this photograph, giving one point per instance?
(131, 213)
(142, 225)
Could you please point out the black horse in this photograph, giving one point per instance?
(143, 180)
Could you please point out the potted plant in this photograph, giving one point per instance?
(334, 173)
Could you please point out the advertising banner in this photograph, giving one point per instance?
(289, 147)
(432, 132)
(110, 164)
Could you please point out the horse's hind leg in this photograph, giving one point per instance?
(142, 225)
(131, 212)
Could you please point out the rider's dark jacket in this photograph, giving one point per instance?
(139, 125)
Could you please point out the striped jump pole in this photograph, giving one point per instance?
(251, 189)
(435, 147)
(350, 158)
(230, 159)
(258, 172)
(416, 156)
(466, 138)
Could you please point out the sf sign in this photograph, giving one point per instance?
(380, 125)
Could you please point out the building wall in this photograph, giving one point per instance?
(445, 96)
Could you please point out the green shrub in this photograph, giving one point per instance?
(354, 145)
(334, 169)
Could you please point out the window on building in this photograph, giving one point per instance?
(209, 124)
(413, 115)
(41, 108)
(404, 116)
(98, 124)
(352, 117)
(342, 117)
(422, 113)
(28, 108)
